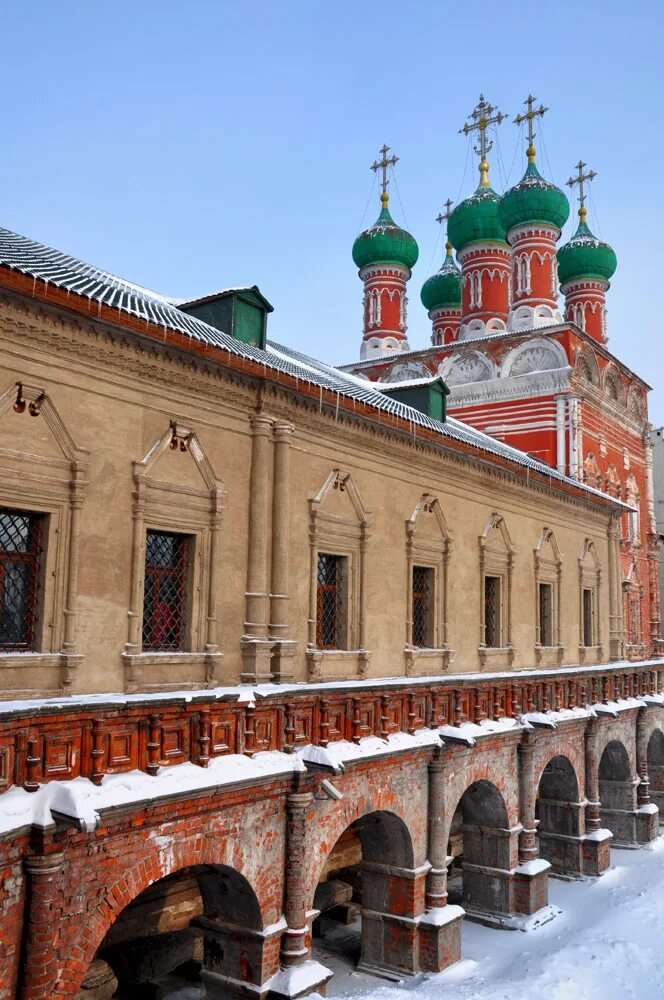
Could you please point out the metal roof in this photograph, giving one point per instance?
(53, 267)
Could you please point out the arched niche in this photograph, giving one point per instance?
(176, 490)
(338, 541)
(44, 475)
(428, 547)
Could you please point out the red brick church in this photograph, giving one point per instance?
(519, 365)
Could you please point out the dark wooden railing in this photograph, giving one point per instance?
(50, 741)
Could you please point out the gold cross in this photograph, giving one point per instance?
(482, 117)
(529, 116)
(580, 179)
(383, 165)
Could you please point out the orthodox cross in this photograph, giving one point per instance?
(383, 164)
(529, 116)
(580, 179)
(444, 216)
(482, 117)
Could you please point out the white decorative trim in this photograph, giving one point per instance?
(525, 317)
(537, 355)
(536, 384)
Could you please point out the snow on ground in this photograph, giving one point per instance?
(606, 945)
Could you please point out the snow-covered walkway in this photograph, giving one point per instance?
(607, 944)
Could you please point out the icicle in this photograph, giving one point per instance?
(336, 412)
(320, 403)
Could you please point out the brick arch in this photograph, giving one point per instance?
(576, 767)
(391, 842)
(655, 743)
(618, 732)
(493, 808)
(125, 890)
(574, 771)
(615, 763)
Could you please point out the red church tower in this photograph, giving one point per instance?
(384, 254)
(533, 377)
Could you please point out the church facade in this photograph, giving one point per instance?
(278, 643)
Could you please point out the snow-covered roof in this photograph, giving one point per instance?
(52, 267)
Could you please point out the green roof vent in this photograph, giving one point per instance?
(240, 312)
(426, 395)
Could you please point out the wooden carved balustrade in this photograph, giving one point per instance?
(61, 740)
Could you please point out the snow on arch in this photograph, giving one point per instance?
(537, 355)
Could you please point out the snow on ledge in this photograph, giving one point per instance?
(82, 802)
(244, 693)
(535, 867)
(615, 707)
(439, 916)
(293, 981)
(341, 752)
(470, 732)
(551, 718)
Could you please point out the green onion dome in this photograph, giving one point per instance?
(476, 220)
(533, 200)
(385, 243)
(584, 256)
(443, 289)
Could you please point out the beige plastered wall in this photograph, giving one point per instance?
(116, 398)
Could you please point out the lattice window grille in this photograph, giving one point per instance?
(492, 611)
(423, 596)
(330, 601)
(20, 577)
(165, 590)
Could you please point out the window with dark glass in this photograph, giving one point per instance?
(331, 579)
(423, 597)
(20, 577)
(545, 614)
(587, 617)
(165, 590)
(492, 611)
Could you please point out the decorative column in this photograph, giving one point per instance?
(652, 537)
(436, 881)
(527, 799)
(299, 974)
(616, 625)
(256, 647)
(133, 644)
(296, 939)
(69, 650)
(283, 649)
(39, 956)
(561, 410)
(646, 819)
(642, 734)
(593, 822)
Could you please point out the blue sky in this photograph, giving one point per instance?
(194, 146)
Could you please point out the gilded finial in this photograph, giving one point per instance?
(384, 164)
(529, 116)
(482, 117)
(580, 179)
